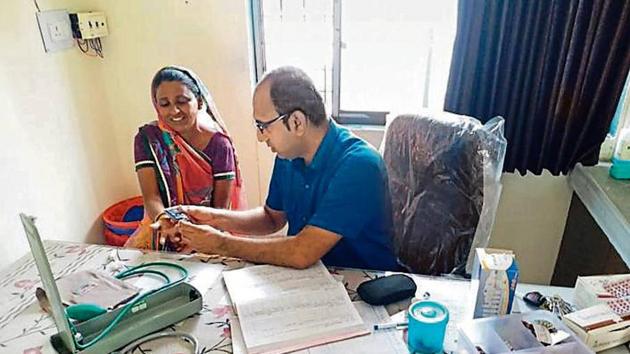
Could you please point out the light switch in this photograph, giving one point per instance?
(54, 27)
(89, 25)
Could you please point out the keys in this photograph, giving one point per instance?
(558, 306)
(554, 304)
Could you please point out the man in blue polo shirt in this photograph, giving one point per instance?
(329, 185)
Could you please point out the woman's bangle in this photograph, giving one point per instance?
(158, 216)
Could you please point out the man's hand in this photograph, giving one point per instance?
(200, 238)
(200, 214)
(181, 245)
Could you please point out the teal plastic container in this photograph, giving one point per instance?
(620, 169)
(427, 326)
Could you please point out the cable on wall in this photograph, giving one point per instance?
(84, 47)
(91, 47)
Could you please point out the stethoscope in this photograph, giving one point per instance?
(84, 312)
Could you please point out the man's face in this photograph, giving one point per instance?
(271, 129)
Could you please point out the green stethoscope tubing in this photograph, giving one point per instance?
(133, 271)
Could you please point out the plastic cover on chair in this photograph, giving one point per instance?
(444, 177)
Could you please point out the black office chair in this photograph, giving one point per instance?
(436, 180)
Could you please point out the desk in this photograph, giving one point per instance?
(608, 201)
(596, 238)
(24, 328)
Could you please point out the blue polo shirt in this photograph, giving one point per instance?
(344, 190)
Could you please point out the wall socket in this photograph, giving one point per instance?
(54, 27)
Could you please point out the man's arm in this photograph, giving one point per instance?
(257, 221)
(301, 251)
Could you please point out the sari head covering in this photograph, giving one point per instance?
(185, 172)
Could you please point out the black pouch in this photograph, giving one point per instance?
(385, 290)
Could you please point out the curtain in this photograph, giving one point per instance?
(554, 69)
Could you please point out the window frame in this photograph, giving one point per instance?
(624, 108)
(619, 121)
(260, 66)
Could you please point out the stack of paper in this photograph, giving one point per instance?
(281, 310)
(379, 342)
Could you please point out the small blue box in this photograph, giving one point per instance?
(620, 169)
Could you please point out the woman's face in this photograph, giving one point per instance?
(177, 105)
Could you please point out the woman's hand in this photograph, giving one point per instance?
(164, 224)
(165, 227)
(144, 239)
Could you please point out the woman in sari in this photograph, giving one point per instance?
(186, 157)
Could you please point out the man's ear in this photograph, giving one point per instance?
(298, 122)
(199, 103)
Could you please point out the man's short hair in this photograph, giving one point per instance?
(291, 90)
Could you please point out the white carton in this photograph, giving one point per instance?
(599, 327)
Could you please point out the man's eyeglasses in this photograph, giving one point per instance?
(264, 125)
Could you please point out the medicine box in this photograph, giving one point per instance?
(493, 282)
(589, 290)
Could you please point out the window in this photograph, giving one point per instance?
(368, 58)
(621, 119)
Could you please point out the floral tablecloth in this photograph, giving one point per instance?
(26, 328)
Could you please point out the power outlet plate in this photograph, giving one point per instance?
(54, 26)
(89, 25)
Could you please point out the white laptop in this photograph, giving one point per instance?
(155, 312)
(48, 281)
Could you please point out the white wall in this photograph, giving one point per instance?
(530, 220)
(55, 161)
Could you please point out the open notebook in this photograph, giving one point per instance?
(282, 310)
